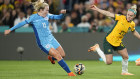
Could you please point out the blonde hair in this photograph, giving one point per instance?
(39, 5)
(134, 7)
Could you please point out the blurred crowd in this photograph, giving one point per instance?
(78, 14)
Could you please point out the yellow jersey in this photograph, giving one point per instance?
(121, 27)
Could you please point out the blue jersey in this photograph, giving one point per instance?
(41, 28)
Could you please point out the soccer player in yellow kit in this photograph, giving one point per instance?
(113, 39)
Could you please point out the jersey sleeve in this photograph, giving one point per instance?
(30, 19)
(133, 27)
(27, 21)
(118, 17)
(18, 25)
(60, 16)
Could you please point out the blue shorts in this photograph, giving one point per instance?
(51, 44)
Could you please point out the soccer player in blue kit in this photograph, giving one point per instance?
(44, 37)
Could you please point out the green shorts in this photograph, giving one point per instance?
(108, 48)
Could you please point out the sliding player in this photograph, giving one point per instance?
(113, 39)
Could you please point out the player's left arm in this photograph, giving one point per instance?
(136, 34)
(60, 16)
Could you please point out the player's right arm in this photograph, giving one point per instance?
(107, 13)
(27, 21)
(6, 32)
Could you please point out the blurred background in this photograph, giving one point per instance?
(80, 29)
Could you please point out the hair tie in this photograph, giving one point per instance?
(132, 11)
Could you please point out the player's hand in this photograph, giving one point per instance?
(6, 32)
(63, 11)
(41, 1)
(93, 7)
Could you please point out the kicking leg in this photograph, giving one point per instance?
(125, 57)
(60, 50)
(62, 53)
(54, 53)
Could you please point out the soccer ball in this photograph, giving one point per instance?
(79, 68)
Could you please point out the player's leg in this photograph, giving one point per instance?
(108, 50)
(125, 57)
(58, 47)
(107, 54)
(55, 45)
(61, 51)
(51, 50)
(109, 58)
(54, 53)
(97, 49)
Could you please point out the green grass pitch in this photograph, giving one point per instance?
(46, 70)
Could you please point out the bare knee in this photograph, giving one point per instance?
(109, 58)
(57, 56)
(108, 63)
(123, 53)
(63, 55)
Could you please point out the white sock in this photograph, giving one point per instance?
(101, 54)
(124, 66)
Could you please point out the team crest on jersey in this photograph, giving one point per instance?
(46, 18)
(129, 29)
(109, 50)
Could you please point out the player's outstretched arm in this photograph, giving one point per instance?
(107, 13)
(6, 32)
(136, 34)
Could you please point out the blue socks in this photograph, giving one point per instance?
(64, 65)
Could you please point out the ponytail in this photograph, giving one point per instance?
(133, 9)
(39, 5)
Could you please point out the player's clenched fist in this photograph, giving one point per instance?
(63, 11)
(93, 7)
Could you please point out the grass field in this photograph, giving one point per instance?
(45, 70)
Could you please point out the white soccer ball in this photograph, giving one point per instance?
(79, 68)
